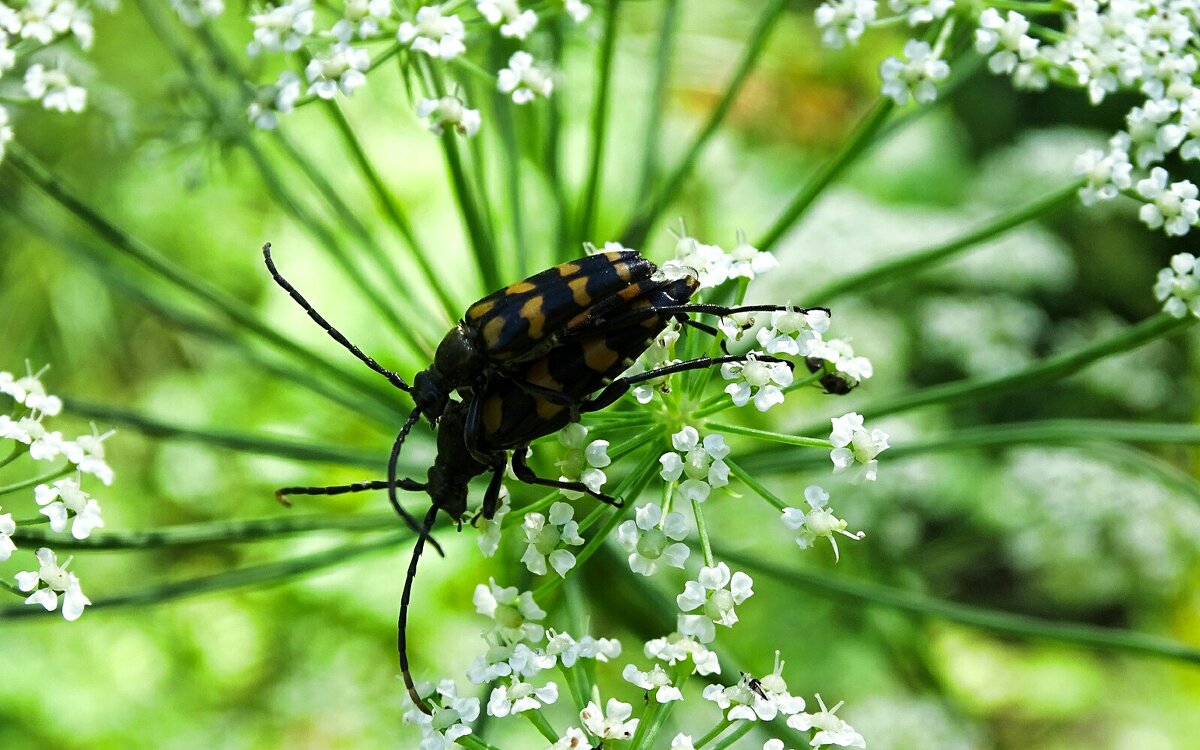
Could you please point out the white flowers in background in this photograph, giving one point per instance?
(274, 100)
(756, 378)
(361, 17)
(678, 647)
(717, 592)
(514, 23)
(545, 534)
(50, 580)
(656, 680)
(831, 730)
(435, 34)
(524, 79)
(842, 22)
(818, 522)
(195, 12)
(45, 20)
(578, 10)
(449, 112)
(508, 661)
(520, 696)
(1175, 208)
(752, 699)
(54, 89)
(7, 527)
(1007, 33)
(582, 463)
(340, 68)
(611, 724)
(651, 539)
(854, 444)
(65, 500)
(568, 651)
(916, 77)
(793, 331)
(87, 453)
(282, 28)
(702, 462)
(1107, 174)
(1178, 286)
(449, 718)
(29, 391)
(918, 12)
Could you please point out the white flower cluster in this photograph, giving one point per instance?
(818, 522)
(700, 461)
(1178, 286)
(713, 266)
(855, 448)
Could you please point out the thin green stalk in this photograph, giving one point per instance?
(1055, 431)
(254, 576)
(721, 726)
(773, 437)
(587, 207)
(481, 244)
(651, 715)
(896, 269)
(668, 30)
(702, 531)
(552, 150)
(539, 721)
(28, 483)
(213, 532)
(652, 209)
(1022, 626)
(734, 736)
(659, 719)
(860, 140)
(758, 487)
(18, 450)
(502, 113)
(471, 742)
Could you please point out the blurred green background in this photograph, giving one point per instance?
(1090, 534)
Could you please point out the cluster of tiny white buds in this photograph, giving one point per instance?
(756, 378)
(54, 88)
(361, 18)
(855, 447)
(1004, 38)
(830, 729)
(679, 647)
(543, 536)
(281, 28)
(653, 540)
(434, 33)
(276, 99)
(793, 331)
(524, 79)
(1175, 208)
(715, 592)
(915, 77)
(50, 580)
(1178, 286)
(63, 501)
(1106, 173)
(713, 266)
(515, 614)
(514, 22)
(44, 21)
(701, 462)
(449, 112)
(843, 22)
(339, 68)
(819, 522)
(917, 12)
(583, 461)
(450, 716)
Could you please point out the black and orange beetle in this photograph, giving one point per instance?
(525, 361)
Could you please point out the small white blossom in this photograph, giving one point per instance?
(30, 392)
(818, 522)
(682, 741)
(747, 261)
(917, 77)
(709, 264)
(449, 112)
(489, 529)
(341, 68)
(757, 378)
(656, 680)
(717, 592)
(45, 20)
(435, 34)
(651, 539)
(702, 462)
(794, 331)
(568, 651)
(1176, 208)
(545, 534)
(752, 699)
(1009, 34)
(852, 444)
(54, 89)
(679, 647)
(582, 462)
(502, 660)
(65, 500)
(1178, 286)
(271, 101)
(831, 729)
(7, 528)
(520, 696)
(361, 18)
(282, 28)
(515, 613)
(1107, 174)
(921, 11)
(838, 354)
(87, 453)
(49, 581)
(578, 10)
(843, 21)
(574, 739)
(611, 724)
(449, 719)
(514, 23)
(524, 79)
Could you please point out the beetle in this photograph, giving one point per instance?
(525, 361)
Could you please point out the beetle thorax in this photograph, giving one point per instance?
(457, 363)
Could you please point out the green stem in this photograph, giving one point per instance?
(587, 208)
(18, 450)
(471, 742)
(755, 485)
(774, 437)
(702, 529)
(1056, 431)
(721, 726)
(502, 112)
(823, 583)
(668, 28)
(481, 245)
(734, 736)
(642, 222)
(890, 271)
(539, 721)
(663, 712)
(858, 143)
(26, 484)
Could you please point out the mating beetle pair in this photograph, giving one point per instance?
(526, 361)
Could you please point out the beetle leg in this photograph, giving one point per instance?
(491, 498)
(637, 316)
(410, 485)
(620, 386)
(526, 475)
(710, 330)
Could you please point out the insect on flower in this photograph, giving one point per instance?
(525, 361)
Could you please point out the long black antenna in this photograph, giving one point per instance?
(337, 335)
(402, 621)
(393, 483)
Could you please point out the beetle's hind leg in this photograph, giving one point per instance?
(527, 475)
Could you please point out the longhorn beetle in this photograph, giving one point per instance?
(525, 361)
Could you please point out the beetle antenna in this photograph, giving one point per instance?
(393, 483)
(337, 335)
(402, 621)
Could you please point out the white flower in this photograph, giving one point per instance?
(339, 69)
(274, 100)
(574, 739)
(361, 17)
(844, 21)
(818, 522)
(747, 261)
(49, 581)
(30, 391)
(520, 696)
(709, 264)
(63, 500)
(523, 79)
(611, 724)
(1107, 174)
(544, 538)
(1009, 34)
(757, 378)
(508, 661)
(1176, 209)
(793, 331)
(578, 10)
(717, 592)
(282, 28)
(449, 111)
(449, 718)
(848, 368)
(852, 443)
(44, 20)
(568, 650)
(678, 647)
(87, 453)
(7, 527)
(656, 680)
(582, 463)
(753, 699)
(702, 462)
(54, 89)
(921, 11)
(682, 741)
(1178, 286)
(489, 529)
(43, 445)
(648, 539)
(195, 12)
(435, 34)
(917, 77)
(515, 612)
(514, 22)
(831, 729)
